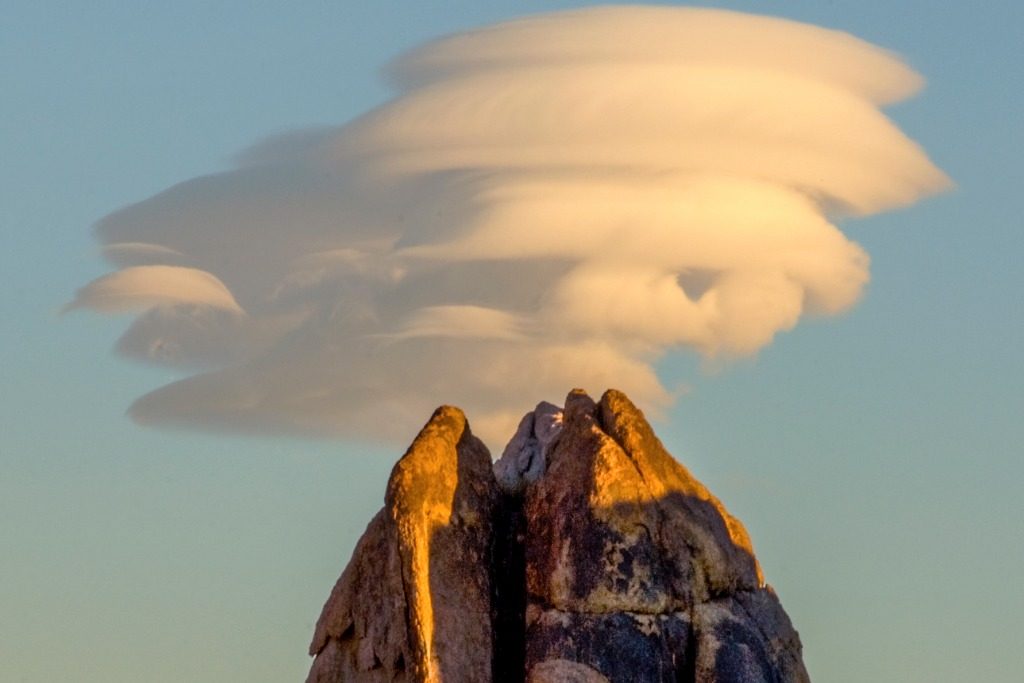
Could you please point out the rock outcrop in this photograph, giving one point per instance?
(589, 554)
(414, 603)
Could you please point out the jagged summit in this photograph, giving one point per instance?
(585, 554)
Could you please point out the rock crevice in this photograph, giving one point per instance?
(586, 553)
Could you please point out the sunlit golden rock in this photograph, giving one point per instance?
(598, 558)
(414, 603)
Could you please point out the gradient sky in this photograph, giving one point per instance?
(875, 458)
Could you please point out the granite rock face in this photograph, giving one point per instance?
(588, 555)
(414, 603)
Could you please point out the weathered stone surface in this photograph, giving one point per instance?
(414, 604)
(746, 637)
(523, 460)
(621, 646)
(598, 558)
(633, 567)
(564, 671)
(589, 526)
(362, 634)
(692, 514)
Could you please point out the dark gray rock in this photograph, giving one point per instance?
(621, 646)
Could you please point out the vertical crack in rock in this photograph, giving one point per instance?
(588, 554)
(508, 581)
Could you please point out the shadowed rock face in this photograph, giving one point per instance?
(597, 558)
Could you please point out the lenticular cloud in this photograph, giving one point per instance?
(550, 202)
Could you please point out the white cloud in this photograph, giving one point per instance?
(551, 202)
(145, 287)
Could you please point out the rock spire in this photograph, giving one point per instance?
(586, 554)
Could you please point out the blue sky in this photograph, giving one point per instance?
(875, 458)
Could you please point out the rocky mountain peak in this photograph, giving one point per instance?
(585, 554)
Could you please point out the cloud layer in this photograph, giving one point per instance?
(550, 202)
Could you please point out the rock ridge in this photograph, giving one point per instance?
(585, 553)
